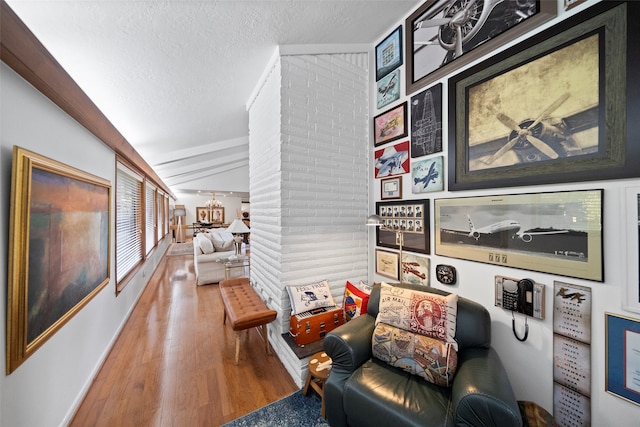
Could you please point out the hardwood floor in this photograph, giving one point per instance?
(172, 365)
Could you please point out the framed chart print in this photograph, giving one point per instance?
(426, 122)
(623, 357)
(557, 127)
(389, 53)
(391, 188)
(557, 233)
(387, 264)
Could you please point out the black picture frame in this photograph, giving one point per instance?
(496, 24)
(552, 232)
(390, 125)
(426, 122)
(417, 240)
(617, 151)
(389, 53)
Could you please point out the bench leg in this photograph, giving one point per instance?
(237, 346)
(263, 332)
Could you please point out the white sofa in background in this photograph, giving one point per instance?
(208, 248)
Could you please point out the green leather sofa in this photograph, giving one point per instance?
(364, 391)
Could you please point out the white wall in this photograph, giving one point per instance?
(308, 184)
(530, 364)
(48, 386)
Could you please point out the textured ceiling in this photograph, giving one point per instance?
(174, 77)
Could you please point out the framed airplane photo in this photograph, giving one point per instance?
(556, 233)
(444, 35)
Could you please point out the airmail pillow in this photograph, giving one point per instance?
(434, 360)
(308, 297)
(356, 299)
(424, 313)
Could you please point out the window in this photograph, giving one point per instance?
(150, 217)
(128, 221)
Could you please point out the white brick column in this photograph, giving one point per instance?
(308, 150)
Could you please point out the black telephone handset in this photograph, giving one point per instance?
(524, 305)
(525, 297)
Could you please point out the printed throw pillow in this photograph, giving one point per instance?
(356, 299)
(308, 297)
(424, 313)
(205, 244)
(434, 360)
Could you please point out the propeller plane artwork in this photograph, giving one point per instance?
(429, 177)
(539, 139)
(464, 24)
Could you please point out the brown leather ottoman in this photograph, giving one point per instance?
(245, 309)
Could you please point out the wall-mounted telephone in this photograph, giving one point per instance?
(522, 296)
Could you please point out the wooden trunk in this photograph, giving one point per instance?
(313, 325)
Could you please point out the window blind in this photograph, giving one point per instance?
(128, 221)
(150, 217)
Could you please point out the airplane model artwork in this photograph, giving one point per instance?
(527, 132)
(462, 21)
(389, 86)
(429, 177)
(534, 140)
(391, 164)
(498, 227)
(506, 235)
(412, 268)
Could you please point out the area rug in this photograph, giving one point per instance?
(303, 351)
(180, 249)
(294, 410)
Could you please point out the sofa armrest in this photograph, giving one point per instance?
(349, 346)
(481, 394)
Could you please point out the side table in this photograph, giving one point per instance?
(319, 370)
(241, 261)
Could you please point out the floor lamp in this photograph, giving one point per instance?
(376, 221)
(179, 212)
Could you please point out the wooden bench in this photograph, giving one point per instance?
(245, 309)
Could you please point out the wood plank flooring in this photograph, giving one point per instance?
(172, 365)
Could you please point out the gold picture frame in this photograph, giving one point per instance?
(59, 246)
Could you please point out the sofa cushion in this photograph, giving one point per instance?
(434, 360)
(379, 394)
(356, 299)
(424, 313)
(222, 240)
(308, 297)
(205, 244)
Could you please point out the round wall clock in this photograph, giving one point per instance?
(446, 274)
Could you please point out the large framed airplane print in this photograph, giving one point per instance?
(557, 233)
(554, 108)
